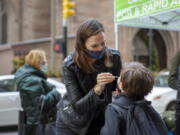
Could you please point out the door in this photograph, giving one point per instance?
(9, 102)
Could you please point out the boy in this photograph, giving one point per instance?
(130, 113)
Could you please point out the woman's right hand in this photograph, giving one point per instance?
(102, 80)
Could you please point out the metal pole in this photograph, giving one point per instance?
(65, 38)
(117, 36)
(150, 34)
(116, 29)
(53, 32)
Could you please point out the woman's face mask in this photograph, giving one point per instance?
(44, 68)
(96, 46)
(96, 54)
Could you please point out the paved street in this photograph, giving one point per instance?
(8, 131)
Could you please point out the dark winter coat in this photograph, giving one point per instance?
(116, 117)
(80, 92)
(32, 84)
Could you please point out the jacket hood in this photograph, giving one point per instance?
(27, 70)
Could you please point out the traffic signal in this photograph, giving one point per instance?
(58, 46)
(68, 10)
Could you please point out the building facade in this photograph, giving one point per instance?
(27, 24)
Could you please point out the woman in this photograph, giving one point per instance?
(38, 97)
(89, 76)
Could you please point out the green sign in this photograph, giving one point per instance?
(129, 9)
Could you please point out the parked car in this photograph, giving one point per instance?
(10, 100)
(162, 96)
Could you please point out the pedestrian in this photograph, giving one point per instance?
(89, 76)
(130, 113)
(174, 82)
(38, 97)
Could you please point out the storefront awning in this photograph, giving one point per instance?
(158, 14)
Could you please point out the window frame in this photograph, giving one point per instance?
(3, 23)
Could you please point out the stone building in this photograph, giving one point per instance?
(27, 24)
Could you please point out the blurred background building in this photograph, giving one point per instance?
(28, 24)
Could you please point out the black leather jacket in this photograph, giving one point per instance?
(80, 91)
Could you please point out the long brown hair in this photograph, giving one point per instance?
(87, 29)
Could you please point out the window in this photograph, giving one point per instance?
(3, 23)
(161, 81)
(7, 85)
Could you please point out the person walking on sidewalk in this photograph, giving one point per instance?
(174, 82)
(89, 76)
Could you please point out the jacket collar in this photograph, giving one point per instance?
(125, 101)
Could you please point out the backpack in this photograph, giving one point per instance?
(142, 119)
